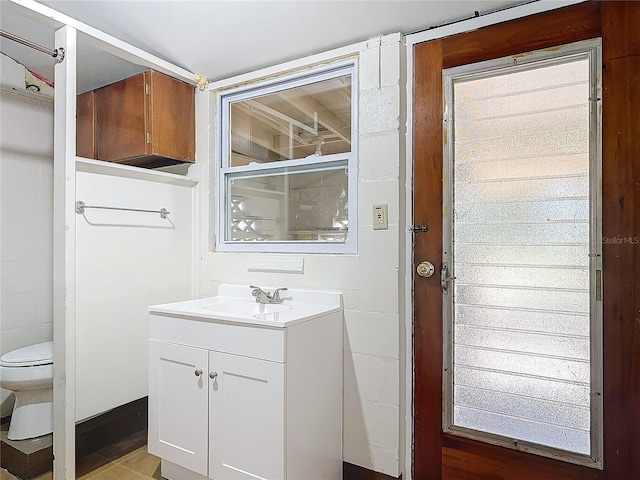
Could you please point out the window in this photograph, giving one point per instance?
(288, 175)
(523, 318)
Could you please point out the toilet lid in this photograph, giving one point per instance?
(33, 355)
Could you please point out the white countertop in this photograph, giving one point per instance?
(235, 304)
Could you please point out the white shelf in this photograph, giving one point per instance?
(127, 171)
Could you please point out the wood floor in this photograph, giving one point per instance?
(135, 465)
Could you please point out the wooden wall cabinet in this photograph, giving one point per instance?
(146, 120)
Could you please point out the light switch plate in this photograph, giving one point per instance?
(380, 217)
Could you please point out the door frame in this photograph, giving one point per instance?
(411, 41)
(618, 183)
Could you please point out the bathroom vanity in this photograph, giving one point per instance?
(246, 390)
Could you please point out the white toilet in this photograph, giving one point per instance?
(28, 372)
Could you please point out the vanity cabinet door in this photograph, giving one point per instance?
(178, 404)
(246, 418)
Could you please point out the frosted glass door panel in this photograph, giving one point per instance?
(520, 236)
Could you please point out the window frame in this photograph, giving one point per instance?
(224, 171)
(593, 49)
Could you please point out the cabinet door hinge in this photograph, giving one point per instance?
(148, 137)
(146, 89)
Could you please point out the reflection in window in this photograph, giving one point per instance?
(286, 158)
(308, 206)
(313, 119)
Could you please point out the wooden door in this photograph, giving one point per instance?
(178, 404)
(147, 119)
(439, 455)
(86, 125)
(172, 115)
(122, 119)
(247, 418)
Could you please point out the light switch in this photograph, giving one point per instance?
(380, 221)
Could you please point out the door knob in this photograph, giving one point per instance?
(425, 269)
(213, 375)
(198, 373)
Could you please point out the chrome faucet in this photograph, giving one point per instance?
(264, 297)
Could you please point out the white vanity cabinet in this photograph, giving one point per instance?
(202, 422)
(246, 418)
(241, 399)
(178, 404)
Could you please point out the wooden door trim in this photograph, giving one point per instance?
(427, 299)
(621, 219)
(437, 455)
(535, 32)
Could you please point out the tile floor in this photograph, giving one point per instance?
(135, 465)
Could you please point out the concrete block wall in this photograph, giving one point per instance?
(371, 281)
(26, 229)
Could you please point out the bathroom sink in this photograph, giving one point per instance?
(236, 304)
(246, 309)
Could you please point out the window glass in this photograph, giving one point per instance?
(288, 164)
(312, 119)
(306, 205)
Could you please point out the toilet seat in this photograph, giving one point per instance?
(31, 356)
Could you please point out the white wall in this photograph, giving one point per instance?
(125, 261)
(372, 281)
(26, 213)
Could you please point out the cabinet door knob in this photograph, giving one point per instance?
(213, 375)
(198, 373)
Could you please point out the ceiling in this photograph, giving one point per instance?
(223, 38)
